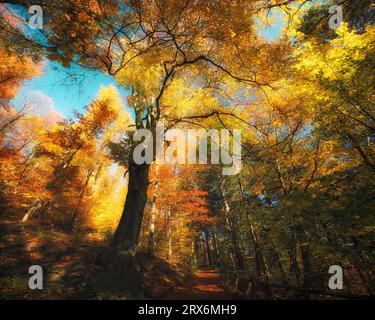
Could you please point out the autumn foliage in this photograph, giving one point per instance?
(304, 103)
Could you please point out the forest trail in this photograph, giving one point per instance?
(206, 284)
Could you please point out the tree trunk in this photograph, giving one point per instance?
(169, 236)
(233, 231)
(305, 254)
(259, 259)
(204, 249)
(215, 251)
(207, 244)
(127, 233)
(125, 274)
(79, 205)
(292, 251)
(278, 258)
(151, 234)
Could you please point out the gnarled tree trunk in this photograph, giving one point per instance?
(127, 233)
(125, 274)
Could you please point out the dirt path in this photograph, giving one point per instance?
(204, 285)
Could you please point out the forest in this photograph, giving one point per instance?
(74, 201)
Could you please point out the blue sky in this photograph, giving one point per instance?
(273, 31)
(67, 94)
(57, 89)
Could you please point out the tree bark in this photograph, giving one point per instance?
(204, 249)
(79, 205)
(208, 250)
(125, 274)
(278, 258)
(151, 234)
(305, 254)
(128, 231)
(259, 259)
(169, 236)
(215, 251)
(233, 231)
(292, 251)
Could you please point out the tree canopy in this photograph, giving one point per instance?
(303, 103)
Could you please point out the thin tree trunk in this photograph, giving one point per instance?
(151, 234)
(215, 251)
(305, 255)
(259, 260)
(233, 231)
(204, 251)
(292, 251)
(169, 235)
(78, 207)
(207, 244)
(197, 253)
(280, 265)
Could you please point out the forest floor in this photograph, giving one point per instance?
(73, 267)
(68, 262)
(205, 284)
